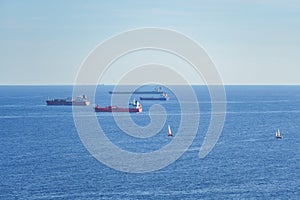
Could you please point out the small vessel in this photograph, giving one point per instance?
(278, 136)
(157, 90)
(78, 101)
(137, 108)
(169, 131)
(133, 103)
(163, 97)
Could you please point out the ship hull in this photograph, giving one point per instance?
(58, 102)
(135, 92)
(66, 103)
(153, 98)
(117, 109)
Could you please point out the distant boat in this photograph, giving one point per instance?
(158, 90)
(163, 97)
(169, 131)
(133, 103)
(78, 101)
(278, 136)
(137, 108)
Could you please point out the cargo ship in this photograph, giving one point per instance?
(137, 108)
(157, 90)
(78, 101)
(163, 97)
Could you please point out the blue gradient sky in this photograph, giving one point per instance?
(251, 42)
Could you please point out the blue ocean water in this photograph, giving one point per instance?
(42, 156)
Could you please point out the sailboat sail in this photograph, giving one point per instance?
(169, 131)
(278, 134)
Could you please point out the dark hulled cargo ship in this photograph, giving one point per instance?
(163, 97)
(157, 90)
(137, 108)
(78, 101)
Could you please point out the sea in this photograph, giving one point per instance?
(42, 155)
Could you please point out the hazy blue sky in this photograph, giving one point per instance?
(251, 42)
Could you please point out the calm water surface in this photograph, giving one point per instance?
(42, 156)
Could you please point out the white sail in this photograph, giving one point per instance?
(278, 134)
(169, 131)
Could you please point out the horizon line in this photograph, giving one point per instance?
(152, 85)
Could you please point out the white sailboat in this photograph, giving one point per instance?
(169, 131)
(278, 134)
